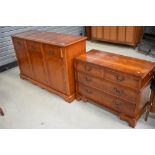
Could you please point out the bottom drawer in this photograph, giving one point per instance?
(107, 100)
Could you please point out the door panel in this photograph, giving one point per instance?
(36, 58)
(56, 74)
(107, 32)
(22, 55)
(121, 33)
(129, 33)
(93, 32)
(113, 33)
(99, 32)
(55, 67)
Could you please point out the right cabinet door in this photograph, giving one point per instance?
(55, 67)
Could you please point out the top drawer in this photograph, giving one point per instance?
(90, 69)
(121, 78)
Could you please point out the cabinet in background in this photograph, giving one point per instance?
(129, 35)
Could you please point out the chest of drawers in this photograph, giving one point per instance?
(46, 59)
(117, 82)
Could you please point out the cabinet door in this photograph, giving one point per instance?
(106, 32)
(130, 34)
(121, 33)
(99, 32)
(36, 58)
(94, 31)
(55, 67)
(22, 57)
(113, 33)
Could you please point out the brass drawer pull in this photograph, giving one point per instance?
(88, 68)
(120, 78)
(50, 52)
(88, 91)
(117, 103)
(118, 91)
(88, 79)
(33, 47)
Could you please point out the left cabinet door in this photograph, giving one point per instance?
(36, 58)
(22, 57)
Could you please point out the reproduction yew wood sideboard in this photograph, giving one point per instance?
(129, 35)
(46, 59)
(117, 82)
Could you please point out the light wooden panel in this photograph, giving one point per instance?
(121, 33)
(107, 32)
(113, 33)
(93, 31)
(129, 33)
(99, 32)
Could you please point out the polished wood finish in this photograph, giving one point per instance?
(46, 59)
(117, 82)
(129, 35)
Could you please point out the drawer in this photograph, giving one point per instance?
(109, 87)
(90, 69)
(19, 44)
(107, 100)
(91, 81)
(33, 46)
(122, 79)
(50, 50)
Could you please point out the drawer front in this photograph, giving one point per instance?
(122, 79)
(90, 69)
(124, 107)
(90, 80)
(52, 51)
(107, 100)
(34, 46)
(109, 87)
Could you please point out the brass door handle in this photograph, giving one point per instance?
(88, 91)
(50, 52)
(120, 78)
(88, 68)
(116, 103)
(33, 47)
(118, 91)
(88, 79)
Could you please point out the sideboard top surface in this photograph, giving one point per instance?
(129, 65)
(53, 38)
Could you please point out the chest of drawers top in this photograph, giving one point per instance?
(52, 38)
(123, 64)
